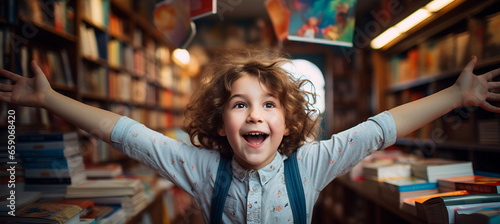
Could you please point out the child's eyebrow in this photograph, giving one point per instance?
(244, 96)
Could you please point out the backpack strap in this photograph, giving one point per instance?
(221, 187)
(295, 189)
(293, 186)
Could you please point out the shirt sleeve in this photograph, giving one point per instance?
(323, 161)
(186, 166)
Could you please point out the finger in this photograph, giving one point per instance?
(36, 69)
(487, 106)
(6, 87)
(470, 66)
(12, 76)
(6, 97)
(493, 96)
(493, 85)
(491, 74)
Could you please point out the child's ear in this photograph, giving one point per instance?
(221, 131)
(287, 132)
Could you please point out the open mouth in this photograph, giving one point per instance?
(255, 138)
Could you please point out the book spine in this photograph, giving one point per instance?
(418, 187)
(477, 188)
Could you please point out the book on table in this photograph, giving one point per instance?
(435, 168)
(104, 188)
(47, 212)
(397, 190)
(410, 204)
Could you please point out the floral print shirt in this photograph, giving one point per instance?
(255, 196)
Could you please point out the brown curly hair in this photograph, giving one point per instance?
(204, 112)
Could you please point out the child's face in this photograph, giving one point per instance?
(254, 123)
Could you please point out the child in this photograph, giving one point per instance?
(250, 108)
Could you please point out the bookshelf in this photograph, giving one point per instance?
(104, 53)
(430, 58)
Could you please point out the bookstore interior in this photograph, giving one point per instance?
(145, 59)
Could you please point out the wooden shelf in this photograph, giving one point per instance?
(425, 80)
(445, 20)
(358, 188)
(43, 32)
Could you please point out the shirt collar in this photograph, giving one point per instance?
(265, 174)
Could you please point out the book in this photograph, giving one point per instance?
(104, 188)
(393, 170)
(448, 183)
(410, 204)
(103, 171)
(86, 205)
(48, 136)
(61, 213)
(479, 184)
(397, 190)
(478, 216)
(434, 168)
(441, 209)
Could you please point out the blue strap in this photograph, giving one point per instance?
(221, 187)
(295, 189)
(293, 186)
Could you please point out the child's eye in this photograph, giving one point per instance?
(239, 105)
(269, 105)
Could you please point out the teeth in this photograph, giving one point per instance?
(255, 134)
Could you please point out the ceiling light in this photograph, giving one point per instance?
(412, 20)
(437, 5)
(181, 57)
(385, 38)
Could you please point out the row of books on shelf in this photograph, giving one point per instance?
(435, 190)
(149, 61)
(464, 124)
(57, 14)
(53, 184)
(55, 64)
(448, 53)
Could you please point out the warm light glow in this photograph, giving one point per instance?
(412, 20)
(408, 23)
(385, 38)
(437, 5)
(181, 56)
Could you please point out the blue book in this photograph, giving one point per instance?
(40, 137)
(409, 184)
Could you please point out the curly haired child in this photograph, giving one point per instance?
(249, 108)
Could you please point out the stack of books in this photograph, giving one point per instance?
(375, 174)
(397, 190)
(444, 209)
(52, 161)
(128, 194)
(435, 168)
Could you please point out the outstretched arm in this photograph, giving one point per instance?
(36, 92)
(468, 90)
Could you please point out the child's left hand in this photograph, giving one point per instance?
(475, 89)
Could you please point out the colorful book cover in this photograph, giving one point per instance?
(480, 184)
(322, 21)
(280, 17)
(173, 19)
(53, 211)
(202, 8)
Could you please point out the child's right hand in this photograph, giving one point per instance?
(25, 91)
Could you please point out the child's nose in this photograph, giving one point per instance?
(255, 116)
